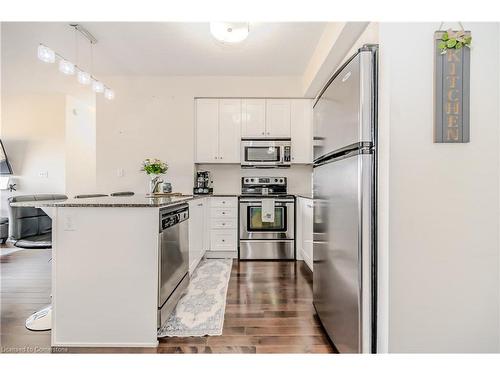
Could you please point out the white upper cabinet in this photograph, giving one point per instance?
(278, 118)
(221, 123)
(229, 130)
(218, 130)
(207, 130)
(301, 131)
(253, 118)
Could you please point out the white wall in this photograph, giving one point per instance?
(154, 117)
(80, 132)
(33, 136)
(441, 201)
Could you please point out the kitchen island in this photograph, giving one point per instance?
(105, 270)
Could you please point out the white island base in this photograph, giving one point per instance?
(105, 276)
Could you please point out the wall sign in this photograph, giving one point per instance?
(451, 91)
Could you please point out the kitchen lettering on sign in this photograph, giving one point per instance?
(452, 90)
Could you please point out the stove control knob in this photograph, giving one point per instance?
(281, 180)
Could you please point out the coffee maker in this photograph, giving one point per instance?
(203, 184)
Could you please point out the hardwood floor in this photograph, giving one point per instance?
(269, 310)
(24, 288)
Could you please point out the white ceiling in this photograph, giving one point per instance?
(272, 49)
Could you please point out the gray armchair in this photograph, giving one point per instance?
(4, 229)
(31, 227)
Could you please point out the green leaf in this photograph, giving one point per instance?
(468, 39)
(445, 37)
(459, 45)
(451, 43)
(442, 45)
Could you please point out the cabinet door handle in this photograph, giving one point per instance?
(263, 133)
(310, 206)
(223, 224)
(223, 240)
(200, 204)
(223, 202)
(215, 157)
(267, 133)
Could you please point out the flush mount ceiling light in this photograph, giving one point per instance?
(49, 56)
(230, 32)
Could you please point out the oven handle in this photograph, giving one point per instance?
(259, 201)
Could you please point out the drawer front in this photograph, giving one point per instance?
(220, 213)
(230, 223)
(224, 202)
(223, 240)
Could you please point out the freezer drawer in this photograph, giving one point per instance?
(343, 251)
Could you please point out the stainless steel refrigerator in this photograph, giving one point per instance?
(345, 177)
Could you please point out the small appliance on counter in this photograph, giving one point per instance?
(267, 219)
(203, 183)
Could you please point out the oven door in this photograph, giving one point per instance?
(262, 154)
(253, 228)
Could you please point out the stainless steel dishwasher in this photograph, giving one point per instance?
(173, 262)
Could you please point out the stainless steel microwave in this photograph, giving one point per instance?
(265, 153)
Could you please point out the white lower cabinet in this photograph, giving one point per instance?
(223, 227)
(197, 229)
(304, 236)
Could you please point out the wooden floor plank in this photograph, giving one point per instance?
(268, 310)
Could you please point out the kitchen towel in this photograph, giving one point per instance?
(267, 210)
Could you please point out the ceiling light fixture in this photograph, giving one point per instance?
(66, 67)
(84, 77)
(230, 32)
(46, 54)
(98, 86)
(49, 56)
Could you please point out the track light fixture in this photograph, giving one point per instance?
(66, 67)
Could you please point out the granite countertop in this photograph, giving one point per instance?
(133, 201)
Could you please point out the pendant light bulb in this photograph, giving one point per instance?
(98, 87)
(83, 77)
(109, 94)
(66, 67)
(45, 54)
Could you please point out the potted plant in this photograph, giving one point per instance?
(154, 168)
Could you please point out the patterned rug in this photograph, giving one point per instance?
(200, 311)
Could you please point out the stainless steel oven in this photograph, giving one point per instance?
(265, 153)
(267, 219)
